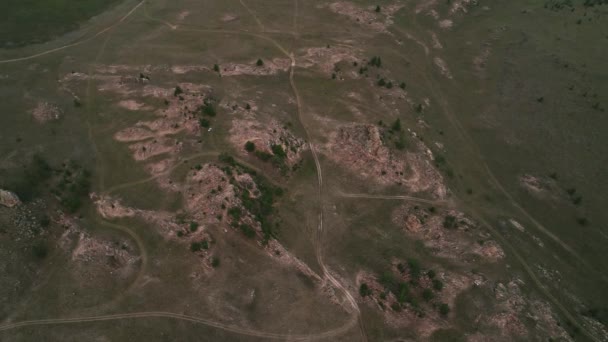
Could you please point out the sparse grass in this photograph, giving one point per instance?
(25, 22)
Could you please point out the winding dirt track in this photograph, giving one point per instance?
(356, 318)
(76, 43)
(476, 152)
(181, 317)
(397, 197)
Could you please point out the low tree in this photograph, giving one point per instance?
(427, 295)
(396, 127)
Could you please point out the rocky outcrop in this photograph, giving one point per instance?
(8, 199)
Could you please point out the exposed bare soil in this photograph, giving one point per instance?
(360, 149)
(45, 112)
(270, 67)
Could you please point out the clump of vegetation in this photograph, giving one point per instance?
(377, 9)
(277, 157)
(261, 207)
(216, 68)
(375, 61)
(260, 62)
(73, 185)
(193, 226)
(410, 293)
(444, 309)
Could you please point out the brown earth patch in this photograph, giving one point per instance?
(45, 112)
(368, 17)
(270, 67)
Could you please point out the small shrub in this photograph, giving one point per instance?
(377, 8)
(414, 266)
(249, 146)
(427, 295)
(396, 127)
(431, 274)
(216, 68)
(264, 156)
(178, 91)
(40, 250)
(444, 309)
(364, 290)
(278, 151)
(449, 222)
(235, 213)
(193, 226)
(381, 82)
(196, 246)
(437, 285)
(248, 231)
(204, 123)
(208, 110)
(215, 262)
(260, 62)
